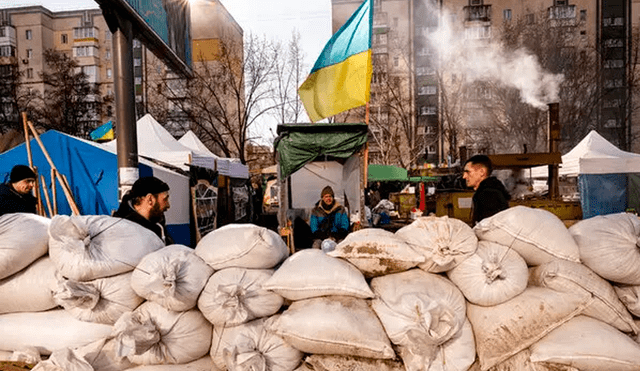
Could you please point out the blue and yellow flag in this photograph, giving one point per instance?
(103, 132)
(341, 77)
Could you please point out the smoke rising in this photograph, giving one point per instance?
(487, 60)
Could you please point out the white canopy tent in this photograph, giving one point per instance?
(593, 155)
(154, 141)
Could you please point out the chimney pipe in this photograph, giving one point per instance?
(553, 133)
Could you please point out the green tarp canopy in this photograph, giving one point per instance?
(298, 144)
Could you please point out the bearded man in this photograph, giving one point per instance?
(145, 204)
(328, 219)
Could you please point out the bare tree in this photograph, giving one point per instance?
(287, 77)
(227, 95)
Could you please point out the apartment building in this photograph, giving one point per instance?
(410, 24)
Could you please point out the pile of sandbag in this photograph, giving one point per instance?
(513, 293)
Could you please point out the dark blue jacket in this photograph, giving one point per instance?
(333, 223)
(13, 202)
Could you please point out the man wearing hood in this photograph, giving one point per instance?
(491, 196)
(328, 219)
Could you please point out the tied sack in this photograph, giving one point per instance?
(31, 289)
(492, 275)
(152, 335)
(444, 242)
(84, 248)
(311, 273)
(537, 235)
(630, 297)
(102, 300)
(233, 296)
(16, 251)
(341, 325)
(242, 246)
(250, 346)
(376, 252)
(609, 246)
(566, 276)
(420, 311)
(173, 277)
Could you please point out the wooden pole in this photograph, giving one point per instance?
(54, 193)
(46, 195)
(27, 142)
(61, 179)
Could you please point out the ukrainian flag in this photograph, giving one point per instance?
(103, 132)
(341, 78)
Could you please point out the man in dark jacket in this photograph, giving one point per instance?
(145, 204)
(491, 196)
(15, 195)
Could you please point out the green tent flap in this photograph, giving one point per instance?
(381, 173)
(298, 144)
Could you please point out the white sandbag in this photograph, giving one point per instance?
(492, 275)
(84, 248)
(341, 325)
(538, 235)
(505, 329)
(102, 300)
(64, 360)
(445, 242)
(242, 246)
(47, 331)
(376, 252)
(250, 346)
(31, 289)
(589, 345)
(99, 355)
(173, 277)
(16, 251)
(456, 354)
(419, 310)
(630, 297)
(233, 296)
(27, 355)
(330, 362)
(152, 335)
(521, 362)
(311, 273)
(566, 276)
(202, 364)
(609, 246)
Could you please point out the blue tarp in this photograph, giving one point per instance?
(602, 194)
(92, 173)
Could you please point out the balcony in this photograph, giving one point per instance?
(477, 13)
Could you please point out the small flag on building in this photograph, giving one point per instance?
(341, 77)
(103, 132)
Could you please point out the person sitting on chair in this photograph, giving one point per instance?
(328, 219)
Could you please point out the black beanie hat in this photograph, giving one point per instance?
(326, 190)
(20, 172)
(146, 185)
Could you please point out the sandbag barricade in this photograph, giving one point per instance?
(16, 251)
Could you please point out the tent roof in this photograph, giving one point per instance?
(191, 140)
(595, 155)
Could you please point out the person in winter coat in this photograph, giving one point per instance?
(328, 219)
(15, 195)
(145, 204)
(490, 195)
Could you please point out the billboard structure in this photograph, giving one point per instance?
(163, 26)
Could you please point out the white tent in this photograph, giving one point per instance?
(154, 141)
(594, 155)
(231, 167)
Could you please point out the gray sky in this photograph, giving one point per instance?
(276, 19)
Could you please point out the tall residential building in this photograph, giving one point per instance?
(403, 46)
(26, 32)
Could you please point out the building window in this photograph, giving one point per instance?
(64, 38)
(425, 70)
(7, 51)
(619, 21)
(396, 61)
(107, 54)
(138, 81)
(427, 90)
(28, 34)
(613, 63)
(475, 2)
(29, 53)
(506, 14)
(395, 22)
(427, 110)
(2, 32)
(108, 73)
(84, 32)
(478, 32)
(136, 43)
(107, 35)
(613, 43)
(29, 73)
(583, 14)
(85, 51)
(530, 18)
(611, 123)
(560, 3)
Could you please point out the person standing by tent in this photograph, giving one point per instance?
(490, 195)
(15, 195)
(145, 204)
(328, 219)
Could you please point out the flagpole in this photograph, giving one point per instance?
(366, 164)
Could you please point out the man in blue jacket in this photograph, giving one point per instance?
(328, 219)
